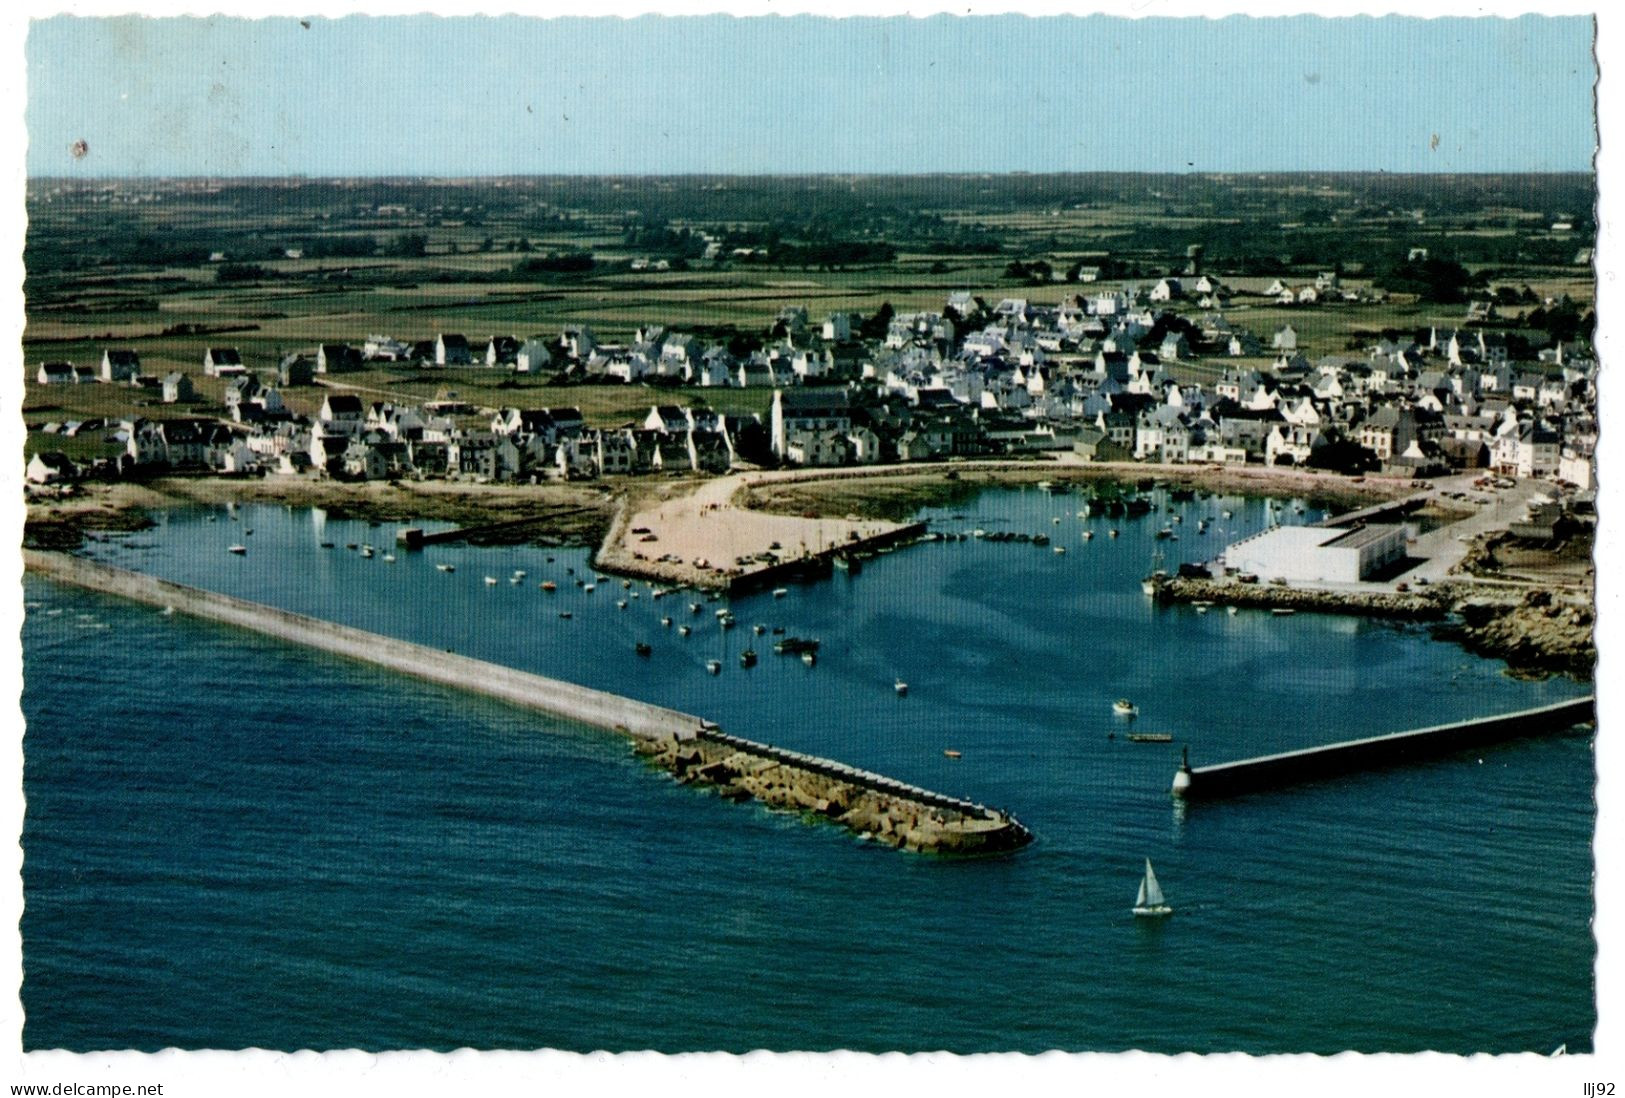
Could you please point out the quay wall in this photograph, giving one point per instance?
(552, 696)
(1290, 767)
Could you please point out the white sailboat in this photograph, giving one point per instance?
(1150, 902)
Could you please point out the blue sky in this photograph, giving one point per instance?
(422, 95)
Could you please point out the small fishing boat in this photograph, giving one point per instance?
(589, 588)
(809, 658)
(780, 592)
(549, 585)
(1111, 533)
(389, 558)
(1059, 550)
(447, 567)
(518, 573)
(666, 622)
(621, 604)
(240, 550)
(951, 753)
(1231, 610)
(1226, 514)
(626, 585)
(1165, 533)
(352, 546)
(1151, 737)
(1282, 611)
(901, 687)
(1150, 903)
(1087, 534)
(684, 630)
(747, 658)
(714, 666)
(727, 622)
(1125, 708)
(758, 629)
(566, 615)
(724, 613)
(643, 648)
(693, 608)
(327, 545)
(1201, 607)
(490, 581)
(793, 645)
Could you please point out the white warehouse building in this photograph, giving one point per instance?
(1318, 554)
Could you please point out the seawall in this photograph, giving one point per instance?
(692, 748)
(1312, 763)
(872, 805)
(553, 696)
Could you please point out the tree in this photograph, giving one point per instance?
(876, 326)
(1343, 456)
(410, 245)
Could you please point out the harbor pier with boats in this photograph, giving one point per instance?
(1313, 763)
(870, 804)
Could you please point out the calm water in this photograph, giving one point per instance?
(231, 842)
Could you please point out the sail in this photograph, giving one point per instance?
(1151, 892)
(1140, 900)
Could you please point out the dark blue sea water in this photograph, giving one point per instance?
(230, 842)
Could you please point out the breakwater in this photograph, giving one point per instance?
(1414, 606)
(902, 815)
(413, 537)
(872, 805)
(1309, 764)
(821, 564)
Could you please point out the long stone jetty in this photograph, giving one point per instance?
(1312, 763)
(893, 812)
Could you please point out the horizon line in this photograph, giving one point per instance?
(821, 174)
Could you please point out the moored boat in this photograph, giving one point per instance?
(793, 645)
(1124, 708)
(714, 666)
(901, 687)
(747, 658)
(240, 550)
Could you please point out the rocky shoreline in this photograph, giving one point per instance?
(1537, 635)
(898, 816)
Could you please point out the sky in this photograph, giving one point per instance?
(426, 95)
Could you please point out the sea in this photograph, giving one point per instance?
(231, 842)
